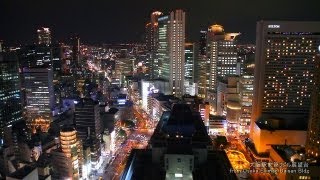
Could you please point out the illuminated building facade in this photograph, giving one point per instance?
(44, 36)
(189, 62)
(313, 138)
(171, 50)
(68, 159)
(189, 70)
(70, 146)
(246, 56)
(246, 90)
(284, 67)
(229, 100)
(38, 84)
(10, 97)
(222, 54)
(152, 43)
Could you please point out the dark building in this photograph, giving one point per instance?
(33, 56)
(10, 97)
(179, 148)
(87, 118)
(201, 76)
(75, 41)
(89, 126)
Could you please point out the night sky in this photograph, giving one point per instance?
(113, 21)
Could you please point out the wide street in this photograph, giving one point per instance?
(137, 138)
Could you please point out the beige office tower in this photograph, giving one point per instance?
(171, 50)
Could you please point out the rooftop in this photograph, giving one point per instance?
(22, 172)
(140, 166)
(281, 121)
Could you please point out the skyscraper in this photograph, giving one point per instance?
(87, 117)
(44, 36)
(202, 70)
(33, 56)
(75, 40)
(284, 67)
(89, 126)
(38, 84)
(170, 52)
(313, 138)
(10, 99)
(152, 43)
(189, 69)
(189, 62)
(222, 54)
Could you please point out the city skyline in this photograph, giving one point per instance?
(169, 90)
(108, 22)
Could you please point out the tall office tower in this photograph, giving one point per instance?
(44, 36)
(57, 55)
(87, 116)
(152, 43)
(246, 56)
(189, 64)
(189, 69)
(75, 40)
(313, 138)
(222, 54)
(283, 76)
(89, 125)
(10, 99)
(38, 84)
(67, 159)
(202, 70)
(170, 52)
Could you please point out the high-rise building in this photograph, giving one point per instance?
(189, 70)
(44, 36)
(189, 65)
(33, 56)
(89, 126)
(246, 57)
(313, 138)
(75, 40)
(222, 54)
(283, 76)
(87, 116)
(202, 70)
(39, 94)
(170, 52)
(10, 97)
(152, 43)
